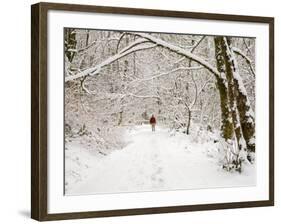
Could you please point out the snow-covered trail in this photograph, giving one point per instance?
(158, 161)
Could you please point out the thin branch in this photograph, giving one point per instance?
(168, 72)
(196, 92)
(82, 50)
(141, 96)
(156, 42)
(248, 48)
(95, 70)
(192, 50)
(248, 60)
(192, 77)
(135, 43)
(197, 44)
(204, 85)
(179, 51)
(119, 41)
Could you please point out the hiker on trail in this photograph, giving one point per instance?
(152, 122)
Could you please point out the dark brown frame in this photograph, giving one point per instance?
(39, 110)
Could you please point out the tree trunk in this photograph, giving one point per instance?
(231, 127)
(222, 84)
(120, 119)
(234, 101)
(232, 92)
(70, 43)
(87, 38)
(246, 114)
(188, 121)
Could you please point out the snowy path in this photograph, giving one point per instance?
(158, 161)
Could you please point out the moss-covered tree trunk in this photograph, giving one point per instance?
(246, 115)
(231, 128)
(222, 85)
(70, 43)
(232, 91)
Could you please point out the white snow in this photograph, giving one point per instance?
(151, 161)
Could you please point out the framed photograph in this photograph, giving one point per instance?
(140, 111)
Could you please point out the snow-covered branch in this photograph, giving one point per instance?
(141, 96)
(179, 51)
(130, 49)
(135, 43)
(192, 49)
(95, 70)
(167, 73)
(197, 44)
(81, 50)
(248, 60)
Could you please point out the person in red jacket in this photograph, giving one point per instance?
(152, 122)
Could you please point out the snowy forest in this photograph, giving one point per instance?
(199, 88)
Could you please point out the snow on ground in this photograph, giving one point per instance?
(151, 161)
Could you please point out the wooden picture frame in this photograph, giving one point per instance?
(39, 110)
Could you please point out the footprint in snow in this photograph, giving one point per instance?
(156, 177)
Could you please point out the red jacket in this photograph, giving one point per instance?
(152, 120)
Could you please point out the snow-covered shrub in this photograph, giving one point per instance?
(231, 158)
